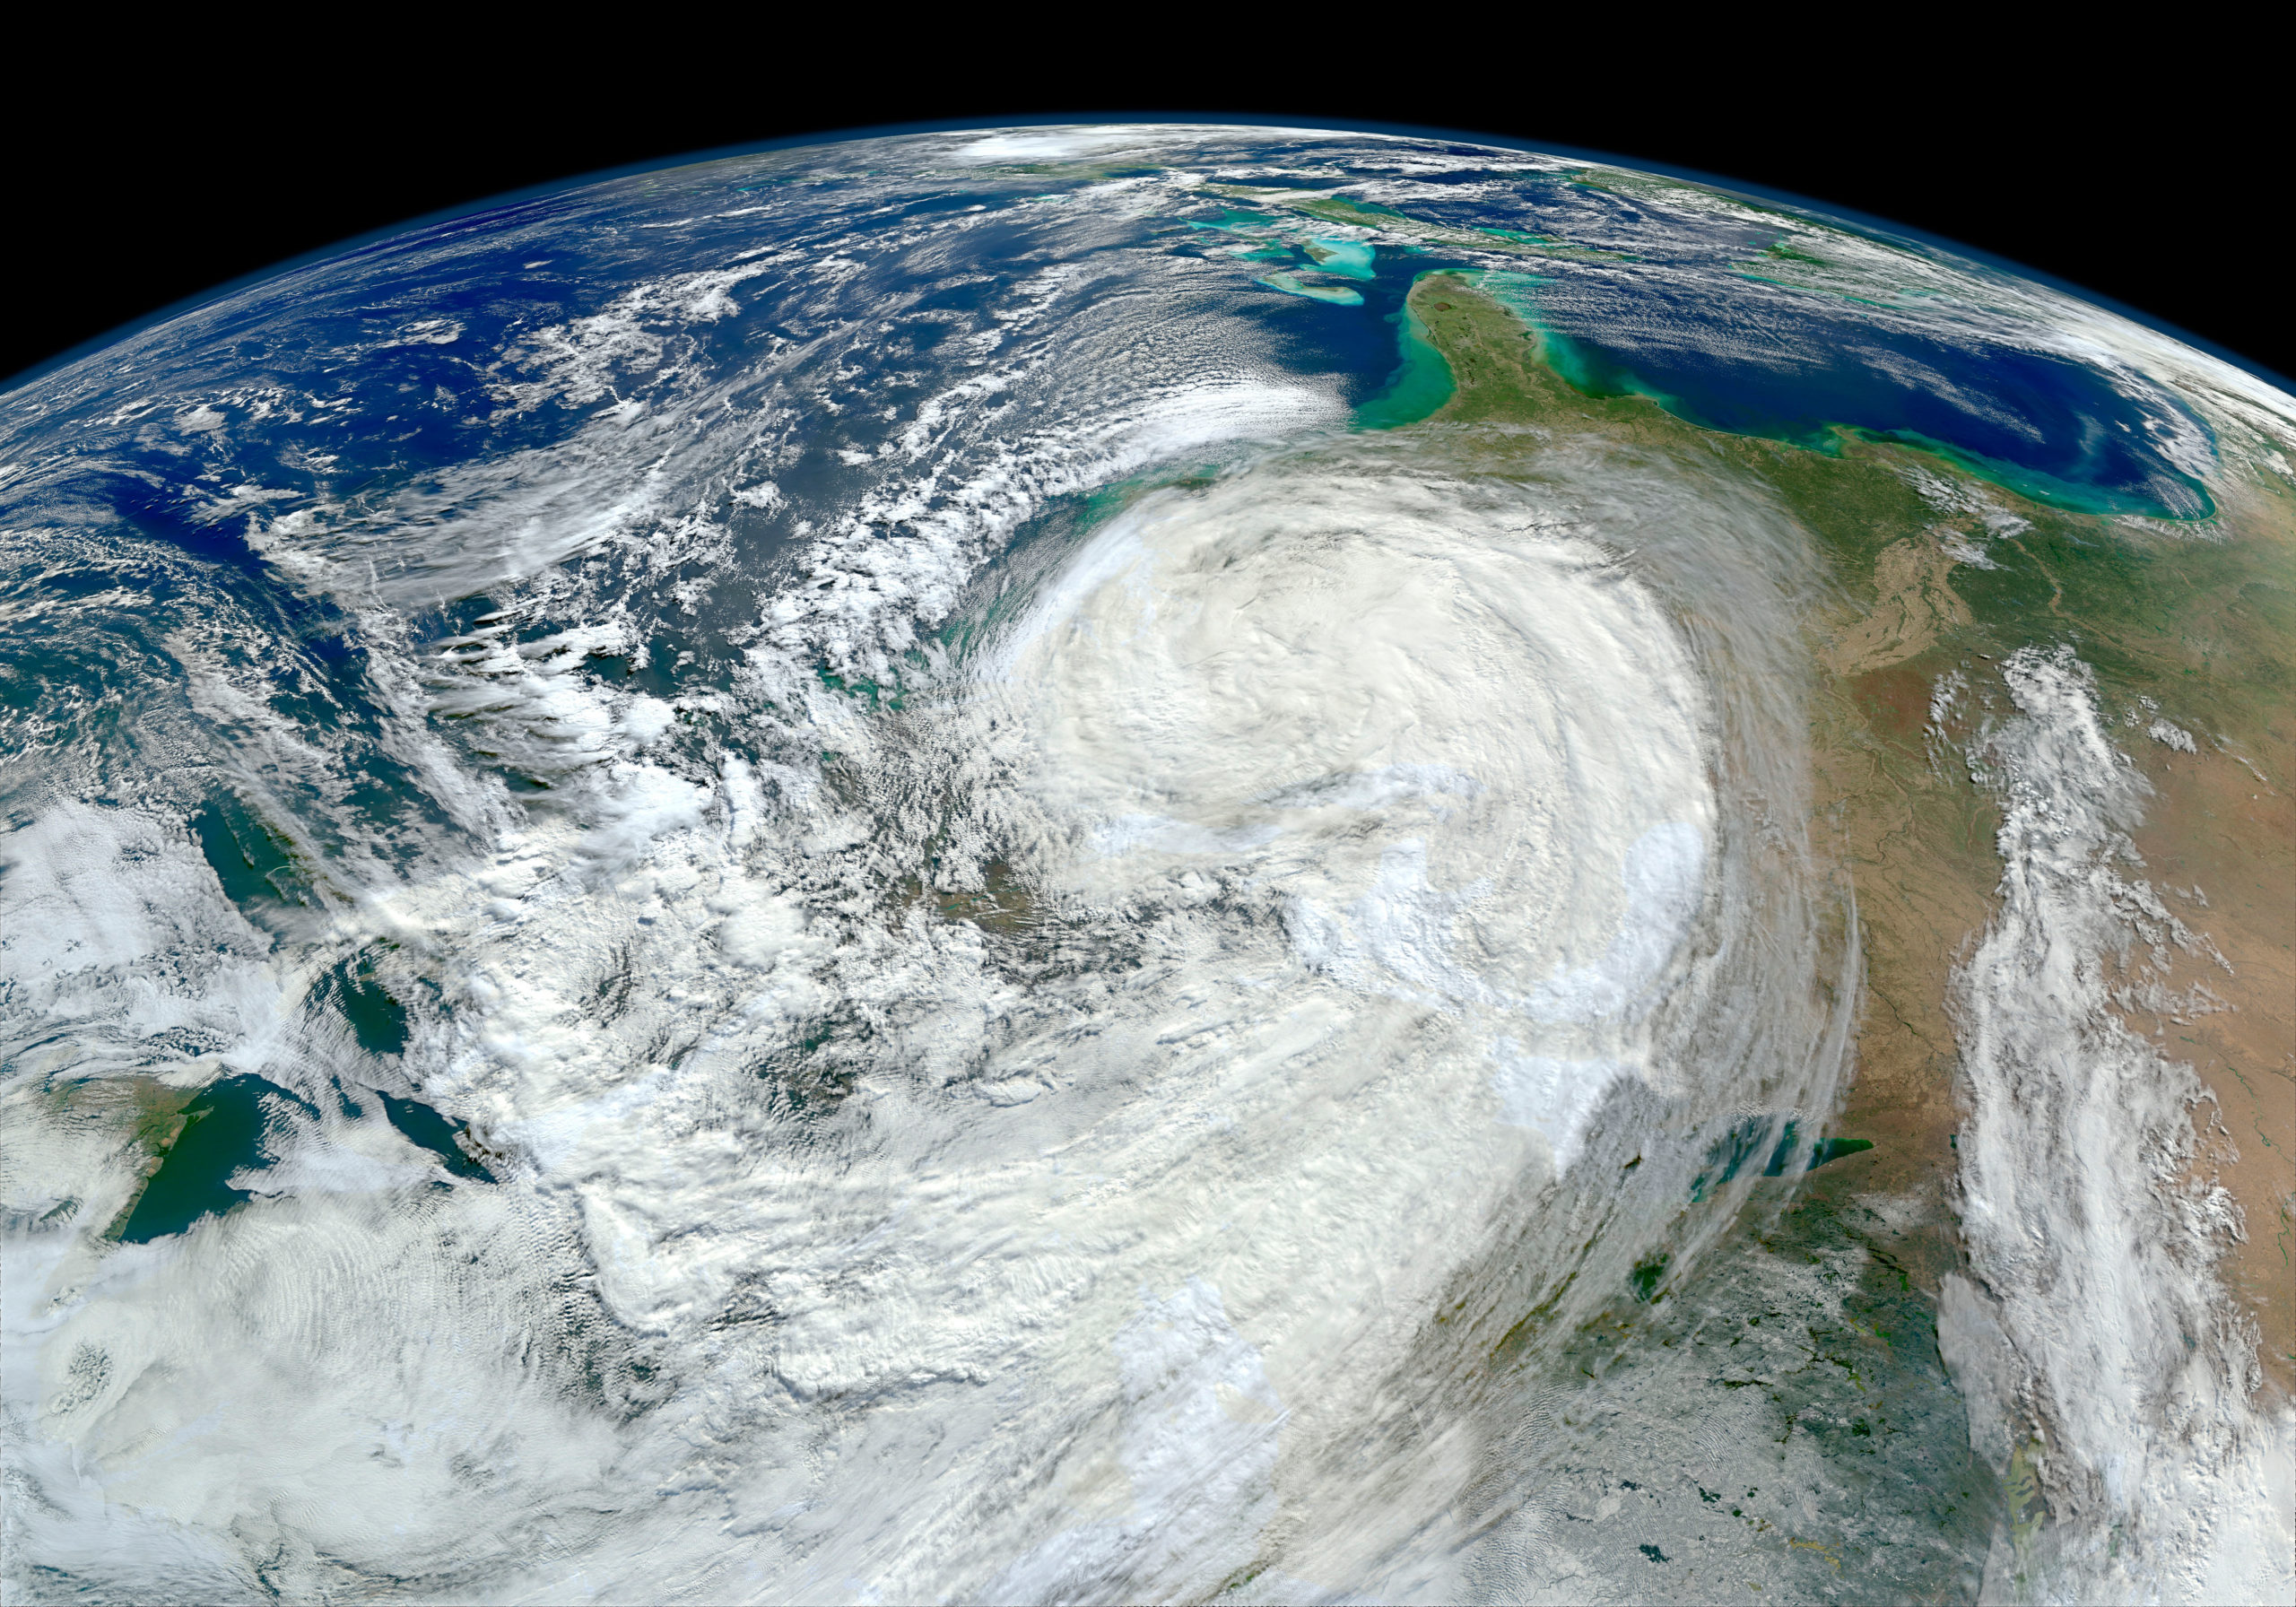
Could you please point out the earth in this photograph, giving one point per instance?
(1148, 863)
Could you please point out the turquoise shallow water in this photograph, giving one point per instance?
(388, 642)
(1421, 384)
(1352, 259)
(1291, 284)
(2045, 426)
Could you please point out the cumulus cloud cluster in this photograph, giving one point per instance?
(901, 930)
(1073, 1100)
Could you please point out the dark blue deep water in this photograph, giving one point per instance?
(2046, 427)
(1698, 327)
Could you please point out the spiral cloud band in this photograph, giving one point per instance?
(1099, 864)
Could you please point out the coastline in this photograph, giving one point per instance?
(1941, 576)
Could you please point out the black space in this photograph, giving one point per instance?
(183, 176)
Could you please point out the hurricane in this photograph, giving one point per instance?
(1069, 866)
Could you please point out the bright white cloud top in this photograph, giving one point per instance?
(880, 916)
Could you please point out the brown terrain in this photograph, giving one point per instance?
(2218, 843)
(2214, 824)
(2202, 618)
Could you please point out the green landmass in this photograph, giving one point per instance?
(2197, 617)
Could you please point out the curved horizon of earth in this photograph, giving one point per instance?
(1147, 862)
